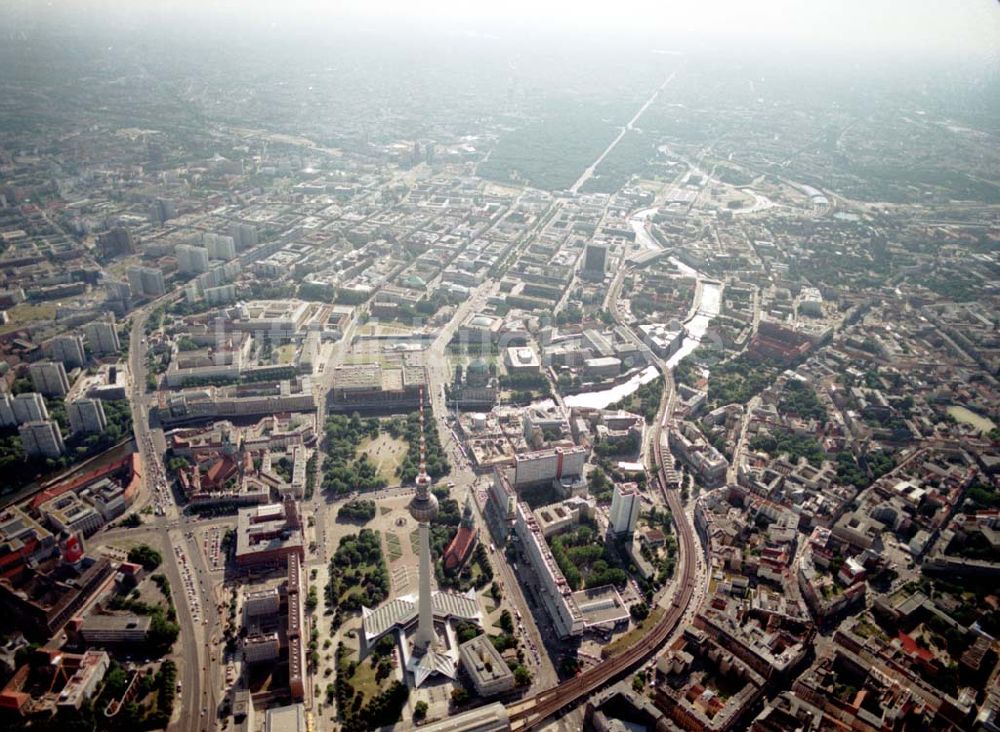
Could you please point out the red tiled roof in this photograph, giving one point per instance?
(220, 472)
(85, 478)
(458, 550)
(912, 649)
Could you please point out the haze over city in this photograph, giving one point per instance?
(499, 366)
(918, 27)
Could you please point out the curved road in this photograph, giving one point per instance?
(528, 713)
(198, 644)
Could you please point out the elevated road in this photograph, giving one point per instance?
(528, 713)
(531, 711)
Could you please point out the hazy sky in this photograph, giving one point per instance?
(964, 27)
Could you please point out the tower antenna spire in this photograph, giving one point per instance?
(423, 479)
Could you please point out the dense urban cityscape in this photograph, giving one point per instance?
(457, 385)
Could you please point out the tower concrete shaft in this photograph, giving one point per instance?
(423, 508)
(424, 637)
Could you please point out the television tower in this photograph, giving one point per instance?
(424, 508)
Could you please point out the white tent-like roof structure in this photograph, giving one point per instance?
(400, 612)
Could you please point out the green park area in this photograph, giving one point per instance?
(358, 574)
(367, 454)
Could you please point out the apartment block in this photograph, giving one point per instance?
(42, 439)
(146, 281)
(86, 416)
(15, 410)
(68, 349)
(102, 337)
(49, 378)
(625, 504)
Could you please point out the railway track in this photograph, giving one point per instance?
(528, 713)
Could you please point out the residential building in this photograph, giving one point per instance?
(245, 235)
(295, 628)
(557, 517)
(262, 602)
(546, 465)
(625, 504)
(43, 595)
(68, 349)
(691, 445)
(146, 281)
(42, 439)
(191, 259)
(664, 338)
(49, 378)
(219, 246)
(28, 407)
(115, 242)
(102, 337)
(555, 592)
(571, 612)
(595, 260)
(86, 416)
(620, 708)
(220, 295)
(7, 417)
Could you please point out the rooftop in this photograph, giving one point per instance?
(401, 611)
(482, 661)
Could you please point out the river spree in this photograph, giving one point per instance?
(709, 303)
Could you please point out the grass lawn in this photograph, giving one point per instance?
(357, 588)
(395, 551)
(286, 354)
(496, 189)
(363, 680)
(386, 453)
(384, 329)
(415, 541)
(27, 312)
(127, 544)
(352, 590)
(149, 592)
(867, 630)
(635, 635)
